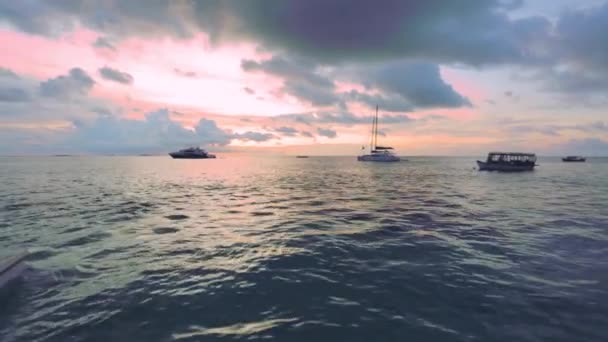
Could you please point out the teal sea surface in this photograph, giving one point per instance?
(251, 247)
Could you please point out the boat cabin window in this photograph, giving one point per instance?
(511, 158)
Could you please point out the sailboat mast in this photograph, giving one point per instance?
(371, 143)
(376, 129)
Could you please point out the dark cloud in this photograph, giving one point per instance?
(109, 133)
(249, 90)
(115, 75)
(598, 126)
(185, 73)
(317, 96)
(8, 73)
(253, 136)
(433, 117)
(388, 103)
(102, 111)
(570, 56)
(294, 70)
(512, 95)
(577, 81)
(286, 131)
(76, 83)
(592, 127)
(404, 85)
(336, 33)
(103, 43)
(209, 133)
(300, 79)
(419, 83)
(343, 118)
(325, 132)
(118, 19)
(26, 99)
(580, 36)
(477, 32)
(579, 50)
(306, 134)
(13, 95)
(38, 17)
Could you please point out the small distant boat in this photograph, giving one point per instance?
(12, 268)
(191, 153)
(508, 162)
(378, 153)
(574, 159)
(301, 156)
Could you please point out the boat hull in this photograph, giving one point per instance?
(483, 166)
(566, 160)
(380, 158)
(184, 156)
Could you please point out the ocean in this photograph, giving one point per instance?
(254, 247)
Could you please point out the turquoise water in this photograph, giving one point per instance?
(318, 249)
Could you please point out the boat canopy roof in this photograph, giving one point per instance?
(512, 154)
(383, 148)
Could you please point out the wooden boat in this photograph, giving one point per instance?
(574, 159)
(508, 162)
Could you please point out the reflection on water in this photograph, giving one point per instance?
(150, 248)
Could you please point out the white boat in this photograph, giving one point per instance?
(12, 268)
(378, 153)
(508, 162)
(574, 159)
(192, 153)
(377, 156)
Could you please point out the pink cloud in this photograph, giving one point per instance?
(43, 58)
(152, 63)
(214, 89)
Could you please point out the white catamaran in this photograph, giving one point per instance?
(378, 153)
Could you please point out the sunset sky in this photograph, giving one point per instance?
(287, 76)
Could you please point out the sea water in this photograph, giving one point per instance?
(251, 247)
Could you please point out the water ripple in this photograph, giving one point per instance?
(284, 249)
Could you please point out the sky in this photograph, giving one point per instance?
(303, 76)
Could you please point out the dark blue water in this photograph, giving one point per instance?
(319, 249)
